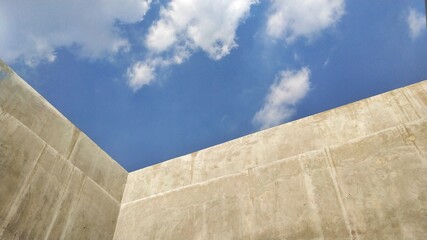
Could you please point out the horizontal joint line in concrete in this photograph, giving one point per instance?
(247, 170)
(56, 152)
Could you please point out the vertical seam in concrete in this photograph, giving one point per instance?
(205, 230)
(2, 114)
(410, 103)
(19, 197)
(117, 221)
(276, 199)
(311, 198)
(63, 165)
(59, 205)
(332, 172)
(192, 167)
(74, 138)
(73, 206)
(251, 197)
(120, 207)
(404, 132)
(396, 106)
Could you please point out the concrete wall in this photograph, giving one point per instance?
(354, 172)
(55, 183)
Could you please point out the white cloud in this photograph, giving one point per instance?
(32, 30)
(186, 26)
(292, 19)
(140, 74)
(279, 105)
(416, 23)
(208, 25)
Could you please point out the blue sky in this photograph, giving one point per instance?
(153, 80)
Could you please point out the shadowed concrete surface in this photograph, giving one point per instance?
(355, 172)
(55, 183)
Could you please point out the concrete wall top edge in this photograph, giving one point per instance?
(272, 129)
(7, 72)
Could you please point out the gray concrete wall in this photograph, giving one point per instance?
(355, 172)
(55, 183)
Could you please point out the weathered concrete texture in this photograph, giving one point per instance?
(355, 172)
(55, 183)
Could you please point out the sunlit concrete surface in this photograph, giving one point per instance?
(355, 172)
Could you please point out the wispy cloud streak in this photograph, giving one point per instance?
(289, 88)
